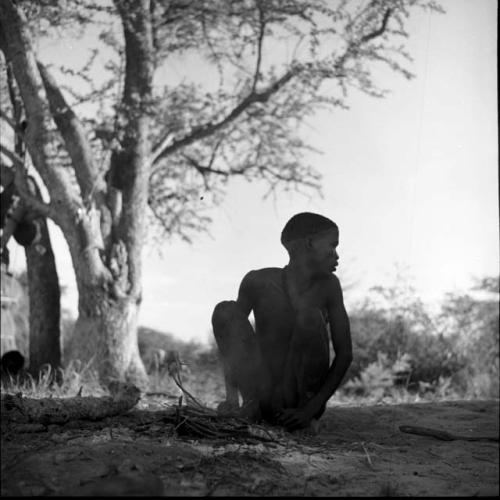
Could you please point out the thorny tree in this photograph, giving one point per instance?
(167, 147)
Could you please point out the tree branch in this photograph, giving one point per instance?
(158, 217)
(379, 31)
(130, 166)
(65, 203)
(33, 203)
(262, 25)
(210, 170)
(209, 128)
(74, 137)
(12, 124)
(160, 146)
(39, 133)
(353, 46)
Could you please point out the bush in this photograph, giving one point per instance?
(432, 355)
(473, 320)
(456, 350)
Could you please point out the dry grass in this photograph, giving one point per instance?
(192, 419)
(69, 381)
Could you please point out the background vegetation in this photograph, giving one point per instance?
(402, 351)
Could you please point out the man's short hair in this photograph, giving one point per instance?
(305, 224)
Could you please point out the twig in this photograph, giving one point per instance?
(367, 455)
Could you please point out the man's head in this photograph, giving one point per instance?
(314, 238)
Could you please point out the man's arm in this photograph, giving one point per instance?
(245, 293)
(341, 339)
(342, 345)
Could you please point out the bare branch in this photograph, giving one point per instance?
(209, 128)
(353, 46)
(12, 124)
(160, 146)
(379, 31)
(44, 209)
(210, 170)
(262, 25)
(74, 136)
(39, 133)
(159, 218)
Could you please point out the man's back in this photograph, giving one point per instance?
(273, 298)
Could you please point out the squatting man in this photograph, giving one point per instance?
(282, 369)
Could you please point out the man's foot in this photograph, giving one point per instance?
(313, 429)
(249, 411)
(228, 407)
(315, 426)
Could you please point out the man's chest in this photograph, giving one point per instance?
(277, 298)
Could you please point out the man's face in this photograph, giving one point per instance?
(324, 250)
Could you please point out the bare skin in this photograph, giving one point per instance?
(282, 370)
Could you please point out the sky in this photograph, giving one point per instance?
(411, 180)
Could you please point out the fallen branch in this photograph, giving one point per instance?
(17, 409)
(442, 435)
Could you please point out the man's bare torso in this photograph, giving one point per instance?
(274, 300)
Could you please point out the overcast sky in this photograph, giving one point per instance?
(411, 180)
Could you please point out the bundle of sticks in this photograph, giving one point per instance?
(194, 419)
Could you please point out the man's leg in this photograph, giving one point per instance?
(308, 359)
(244, 370)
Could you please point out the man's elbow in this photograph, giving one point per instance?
(345, 357)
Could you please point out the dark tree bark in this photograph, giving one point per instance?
(31, 230)
(44, 302)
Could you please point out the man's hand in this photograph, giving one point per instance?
(297, 418)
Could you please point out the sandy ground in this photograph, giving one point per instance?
(359, 451)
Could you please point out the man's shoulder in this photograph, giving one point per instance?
(262, 275)
(332, 280)
(266, 271)
(333, 288)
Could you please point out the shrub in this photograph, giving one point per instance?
(454, 350)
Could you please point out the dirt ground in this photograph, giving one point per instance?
(359, 451)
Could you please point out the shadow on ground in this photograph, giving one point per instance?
(359, 451)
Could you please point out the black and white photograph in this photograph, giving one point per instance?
(249, 248)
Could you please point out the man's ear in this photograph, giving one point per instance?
(309, 243)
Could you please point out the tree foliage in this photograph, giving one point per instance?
(252, 73)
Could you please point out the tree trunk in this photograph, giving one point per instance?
(44, 302)
(105, 336)
(43, 282)
(107, 269)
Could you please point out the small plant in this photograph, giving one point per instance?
(376, 380)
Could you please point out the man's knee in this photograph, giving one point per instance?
(223, 313)
(230, 326)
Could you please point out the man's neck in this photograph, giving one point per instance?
(300, 272)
